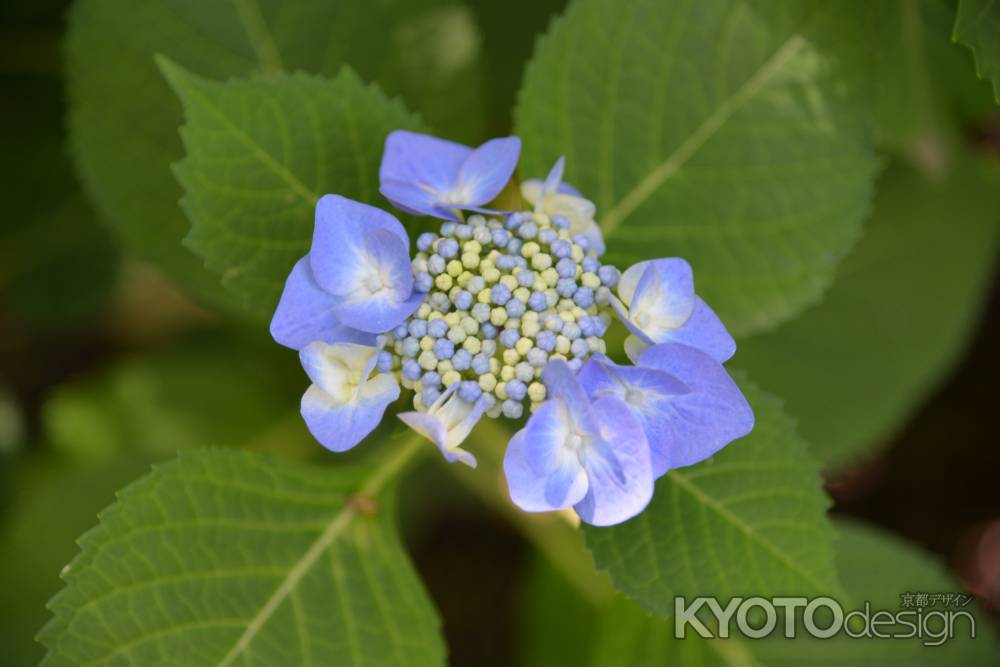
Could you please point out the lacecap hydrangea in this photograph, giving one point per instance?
(502, 314)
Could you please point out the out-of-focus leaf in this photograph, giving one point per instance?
(123, 117)
(872, 566)
(204, 391)
(57, 265)
(977, 26)
(702, 130)
(223, 558)
(904, 303)
(260, 153)
(49, 508)
(749, 521)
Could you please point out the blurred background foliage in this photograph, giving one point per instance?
(117, 347)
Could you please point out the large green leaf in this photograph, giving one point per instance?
(704, 130)
(259, 155)
(749, 521)
(123, 118)
(223, 558)
(872, 565)
(977, 25)
(902, 307)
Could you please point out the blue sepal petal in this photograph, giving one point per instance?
(709, 416)
(307, 313)
(618, 466)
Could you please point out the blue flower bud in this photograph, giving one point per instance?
(469, 391)
(463, 232)
(443, 348)
(579, 348)
(435, 264)
(417, 328)
(400, 331)
(526, 278)
(590, 264)
(509, 337)
(500, 294)
(462, 360)
(425, 241)
(506, 262)
(500, 237)
(575, 364)
(439, 302)
(463, 300)
(584, 297)
(423, 282)
(512, 409)
(582, 241)
(447, 228)
(538, 357)
(514, 220)
(571, 330)
(437, 328)
(447, 248)
(514, 246)
(431, 380)
(481, 312)
(411, 347)
(528, 230)
(411, 369)
(384, 363)
(488, 331)
(547, 236)
(558, 221)
(481, 364)
(545, 340)
(566, 287)
(516, 390)
(515, 308)
(476, 284)
(561, 248)
(537, 301)
(524, 372)
(609, 275)
(482, 235)
(566, 268)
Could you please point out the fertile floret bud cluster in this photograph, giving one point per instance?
(505, 296)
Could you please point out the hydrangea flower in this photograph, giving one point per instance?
(425, 175)
(503, 315)
(658, 304)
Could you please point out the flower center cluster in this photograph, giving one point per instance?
(504, 298)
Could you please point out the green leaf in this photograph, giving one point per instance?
(977, 26)
(749, 521)
(50, 506)
(260, 153)
(701, 130)
(222, 558)
(123, 117)
(873, 566)
(899, 314)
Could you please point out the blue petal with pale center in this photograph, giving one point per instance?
(306, 312)
(360, 255)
